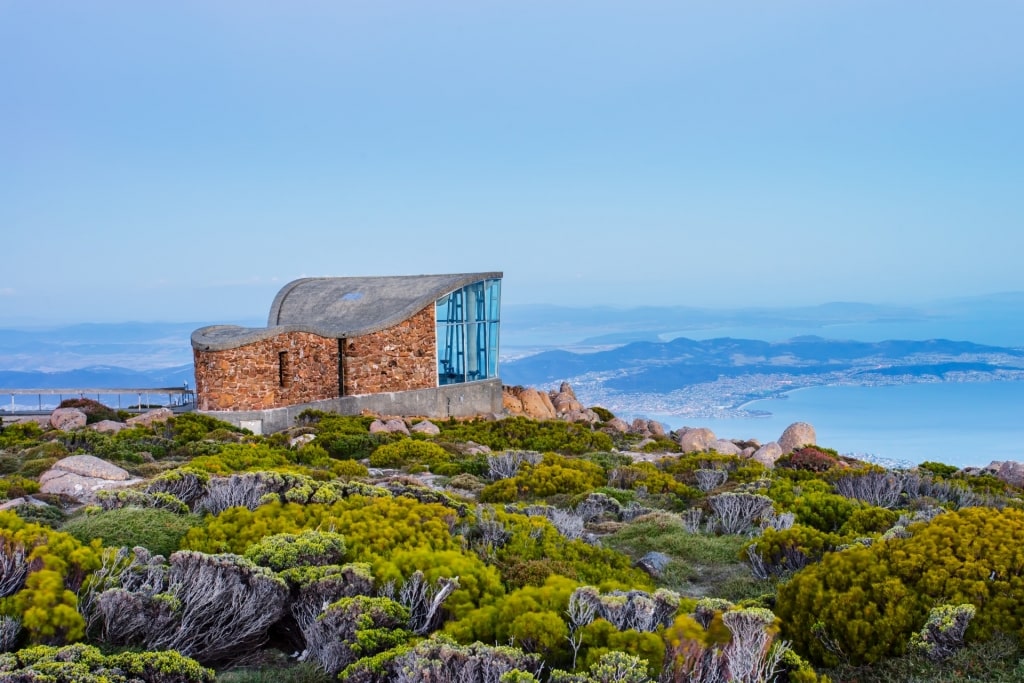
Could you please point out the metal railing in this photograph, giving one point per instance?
(178, 398)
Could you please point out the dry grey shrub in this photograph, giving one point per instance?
(116, 499)
(881, 489)
(506, 465)
(710, 479)
(10, 627)
(334, 638)
(13, 566)
(736, 513)
(185, 484)
(751, 655)
(692, 519)
(439, 660)
(208, 607)
(567, 522)
(777, 521)
(423, 599)
(327, 587)
(635, 609)
(246, 490)
(632, 511)
(484, 535)
(957, 494)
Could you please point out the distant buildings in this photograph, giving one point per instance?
(408, 345)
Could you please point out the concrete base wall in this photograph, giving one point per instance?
(453, 400)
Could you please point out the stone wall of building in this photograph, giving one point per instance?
(250, 377)
(399, 358)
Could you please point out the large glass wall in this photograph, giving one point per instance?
(467, 333)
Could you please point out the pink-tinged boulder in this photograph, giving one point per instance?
(617, 424)
(564, 400)
(426, 427)
(147, 418)
(1011, 472)
(725, 447)
(796, 435)
(639, 426)
(81, 476)
(655, 428)
(696, 440)
(108, 426)
(66, 419)
(391, 426)
(767, 454)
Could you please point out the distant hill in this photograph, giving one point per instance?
(98, 377)
(662, 367)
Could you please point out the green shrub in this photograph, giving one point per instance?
(87, 664)
(19, 434)
(863, 603)
(36, 466)
(53, 566)
(15, 486)
(159, 531)
(521, 433)
(409, 452)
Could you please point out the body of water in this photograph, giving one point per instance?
(962, 424)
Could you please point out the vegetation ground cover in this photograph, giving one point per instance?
(518, 562)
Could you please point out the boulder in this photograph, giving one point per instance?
(66, 419)
(510, 401)
(655, 428)
(301, 440)
(696, 440)
(639, 426)
(747, 452)
(654, 563)
(586, 415)
(564, 400)
(391, 426)
(768, 454)
(1011, 472)
(81, 476)
(108, 426)
(725, 447)
(426, 427)
(617, 424)
(796, 435)
(537, 405)
(147, 418)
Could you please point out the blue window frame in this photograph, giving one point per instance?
(467, 333)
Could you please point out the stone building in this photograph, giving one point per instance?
(406, 345)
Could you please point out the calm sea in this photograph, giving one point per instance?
(957, 424)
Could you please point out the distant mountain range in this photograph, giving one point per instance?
(726, 373)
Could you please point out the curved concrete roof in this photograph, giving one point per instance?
(338, 307)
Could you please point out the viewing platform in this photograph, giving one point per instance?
(179, 399)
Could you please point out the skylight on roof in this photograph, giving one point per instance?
(352, 296)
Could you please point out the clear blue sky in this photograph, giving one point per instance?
(182, 160)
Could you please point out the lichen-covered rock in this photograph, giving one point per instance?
(301, 440)
(725, 447)
(426, 427)
(66, 419)
(617, 424)
(108, 426)
(796, 435)
(81, 476)
(654, 563)
(767, 454)
(696, 440)
(391, 426)
(149, 417)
